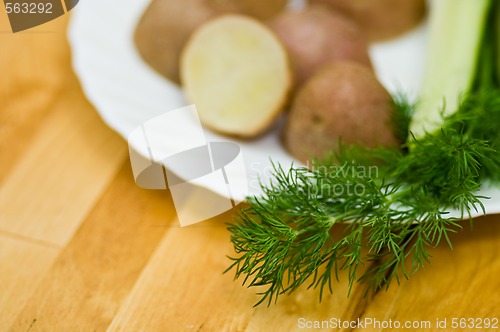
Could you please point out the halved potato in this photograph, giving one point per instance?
(167, 24)
(237, 73)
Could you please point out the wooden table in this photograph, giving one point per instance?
(82, 248)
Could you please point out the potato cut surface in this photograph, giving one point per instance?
(237, 73)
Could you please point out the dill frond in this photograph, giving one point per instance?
(284, 239)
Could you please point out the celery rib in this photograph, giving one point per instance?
(456, 31)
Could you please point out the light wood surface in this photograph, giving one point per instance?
(82, 248)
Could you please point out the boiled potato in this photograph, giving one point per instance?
(381, 19)
(342, 101)
(316, 36)
(260, 9)
(167, 24)
(237, 73)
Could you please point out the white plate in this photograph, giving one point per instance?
(127, 93)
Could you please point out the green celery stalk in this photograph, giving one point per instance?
(456, 32)
(497, 39)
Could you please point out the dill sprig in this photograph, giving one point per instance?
(395, 204)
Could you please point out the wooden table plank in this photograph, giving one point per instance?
(183, 288)
(100, 265)
(35, 68)
(61, 175)
(22, 265)
(63, 154)
(461, 283)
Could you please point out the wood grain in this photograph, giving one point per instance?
(82, 248)
(185, 278)
(98, 267)
(459, 283)
(61, 174)
(22, 265)
(44, 132)
(68, 154)
(34, 71)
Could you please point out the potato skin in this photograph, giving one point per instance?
(166, 26)
(380, 19)
(316, 36)
(260, 9)
(343, 101)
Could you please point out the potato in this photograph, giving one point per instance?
(167, 24)
(237, 73)
(381, 19)
(316, 36)
(260, 9)
(342, 101)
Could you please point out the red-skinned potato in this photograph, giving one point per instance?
(259, 9)
(380, 19)
(316, 36)
(166, 26)
(343, 102)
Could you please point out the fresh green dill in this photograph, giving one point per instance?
(285, 238)
(402, 116)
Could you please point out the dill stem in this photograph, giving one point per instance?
(332, 220)
(396, 196)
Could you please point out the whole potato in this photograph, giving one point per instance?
(342, 101)
(316, 36)
(259, 9)
(166, 26)
(381, 19)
